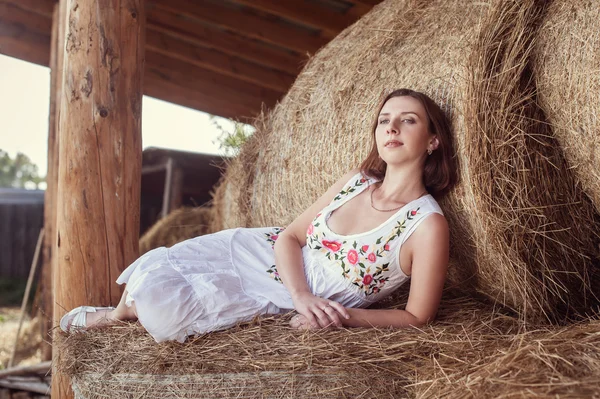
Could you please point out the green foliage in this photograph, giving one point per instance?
(19, 172)
(232, 141)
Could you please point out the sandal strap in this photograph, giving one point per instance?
(79, 315)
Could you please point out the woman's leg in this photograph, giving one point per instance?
(106, 317)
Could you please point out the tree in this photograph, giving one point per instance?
(19, 172)
(232, 141)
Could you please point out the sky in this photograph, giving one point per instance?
(24, 105)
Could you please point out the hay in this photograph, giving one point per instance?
(231, 197)
(472, 350)
(536, 228)
(567, 66)
(179, 225)
(522, 233)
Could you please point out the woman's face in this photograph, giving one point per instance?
(402, 132)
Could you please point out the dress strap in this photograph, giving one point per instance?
(417, 221)
(353, 187)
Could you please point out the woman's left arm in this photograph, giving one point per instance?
(431, 243)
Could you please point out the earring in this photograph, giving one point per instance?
(429, 151)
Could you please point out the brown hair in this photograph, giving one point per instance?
(440, 171)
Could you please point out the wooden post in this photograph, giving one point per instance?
(56, 59)
(173, 187)
(99, 170)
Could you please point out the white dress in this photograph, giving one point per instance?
(214, 281)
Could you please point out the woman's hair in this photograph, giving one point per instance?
(440, 171)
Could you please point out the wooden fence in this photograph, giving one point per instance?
(21, 218)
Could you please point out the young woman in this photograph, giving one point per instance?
(374, 229)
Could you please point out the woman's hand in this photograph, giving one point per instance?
(319, 312)
(300, 322)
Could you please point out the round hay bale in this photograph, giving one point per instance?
(231, 197)
(522, 232)
(567, 67)
(177, 226)
(473, 350)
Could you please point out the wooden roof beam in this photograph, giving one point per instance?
(19, 42)
(24, 34)
(226, 42)
(217, 61)
(41, 7)
(186, 75)
(245, 24)
(158, 86)
(305, 13)
(369, 3)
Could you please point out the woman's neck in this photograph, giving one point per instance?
(401, 184)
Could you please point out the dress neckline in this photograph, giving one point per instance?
(393, 217)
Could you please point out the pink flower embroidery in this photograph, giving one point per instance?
(352, 256)
(372, 257)
(310, 230)
(413, 213)
(363, 180)
(367, 279)
(332, 245)
(365, 248)
(386, 247)
(275, 237)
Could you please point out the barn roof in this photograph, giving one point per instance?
(224, 57)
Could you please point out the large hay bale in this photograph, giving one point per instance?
(472, 351)
(567, 66)
(179, 225)
(231, 197)
(522, 232)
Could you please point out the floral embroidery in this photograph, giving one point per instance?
(358, 261)
(272, 236)
(350, 189)
(274, 273)
(332, 245)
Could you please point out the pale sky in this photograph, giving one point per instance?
(24, 104)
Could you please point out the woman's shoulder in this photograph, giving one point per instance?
(433, 227)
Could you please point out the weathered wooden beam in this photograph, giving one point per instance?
(369, 3)
(224, 41)
(41, 7)
(48, 252)
(191, 76)
(305, 13)
(13, 12)
(40, 368)
(217, 61)
(19, 42)
(99, 171)
(29, 385)
(294, 38)
(157, 85)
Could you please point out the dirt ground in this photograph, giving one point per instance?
(28, 351)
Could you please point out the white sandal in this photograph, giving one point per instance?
(77, 318)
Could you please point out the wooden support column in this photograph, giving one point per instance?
(56, 57)
(172, 191)
(99, 170)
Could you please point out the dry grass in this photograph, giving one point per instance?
(231, 198)
(28, 350)
(535, 231)
(471, 350)
(522, 232)
(179, 225)
(567, 68)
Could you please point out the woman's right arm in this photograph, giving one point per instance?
(288, 258)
